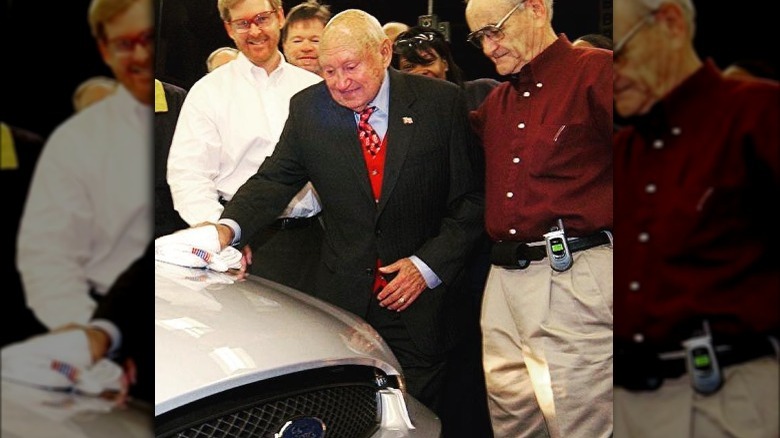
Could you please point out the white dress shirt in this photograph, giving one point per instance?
(88, 214)
(230, 122)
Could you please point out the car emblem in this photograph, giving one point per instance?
(302, 427)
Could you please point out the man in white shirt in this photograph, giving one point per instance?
(230, 122)
(88, 215)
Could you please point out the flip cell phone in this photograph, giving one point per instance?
(557, 248)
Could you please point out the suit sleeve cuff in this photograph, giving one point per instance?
(233, 226)
(431, 279)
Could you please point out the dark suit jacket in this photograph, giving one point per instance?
(429, 207)
(166, 218)
(128, 305)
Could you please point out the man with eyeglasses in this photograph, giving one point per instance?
(88, 215)
(547, 307)
(229, 123)
(388, 152)
(697, 165)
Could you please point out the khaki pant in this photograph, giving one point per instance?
(746, 406)
(547, 343)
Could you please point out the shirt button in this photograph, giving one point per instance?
(538, 85)
(376, 200)
(676, 130)
(650, 188)
(512, 231)
(658, 144)
(521, 125)
(633, 286)
(644, 237)
(509, 194)
(515, 160)
(526, 94)
(374, 172)
(639, 338)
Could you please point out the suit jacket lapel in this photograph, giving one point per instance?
(400, 132)
(346, 137)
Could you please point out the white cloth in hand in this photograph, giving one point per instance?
(60, 360)
(196, 247)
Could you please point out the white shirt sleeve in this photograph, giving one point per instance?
(194, 160)
(55, 240)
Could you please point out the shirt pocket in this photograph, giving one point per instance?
(559, 151)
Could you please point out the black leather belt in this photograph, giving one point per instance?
(639, 369)
(517, 255)
(291, 223)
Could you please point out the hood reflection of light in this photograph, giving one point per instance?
(232, 359)
(190, 326)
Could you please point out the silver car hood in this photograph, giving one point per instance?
(214, 334)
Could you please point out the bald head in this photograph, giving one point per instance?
(355, 25)
(393, 28)
(354, 56)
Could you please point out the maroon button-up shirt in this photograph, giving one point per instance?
(547, 135)
(696, 192)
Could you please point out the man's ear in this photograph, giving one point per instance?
(104, 52)
(672, 17)
(386, 51)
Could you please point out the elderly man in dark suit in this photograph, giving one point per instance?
(387, 152)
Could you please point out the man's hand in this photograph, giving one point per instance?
(225, 235)
(404, 289)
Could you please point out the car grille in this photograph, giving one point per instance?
(344, 398)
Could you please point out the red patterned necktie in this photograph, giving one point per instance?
(366, 134)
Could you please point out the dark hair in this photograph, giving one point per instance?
(413, 44)
(308, 10)
(597, 40)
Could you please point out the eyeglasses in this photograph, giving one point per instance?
(621, 45)
(261, 20)
(492, 31)
(402, 45)
(124, 46)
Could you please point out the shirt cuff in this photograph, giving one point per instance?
(431, 279)
(113, 333)
(233, 226)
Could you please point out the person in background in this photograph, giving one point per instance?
(168, 100)
(424, 51)
(596, 40)
(401, 206)
(547, 310)
(220, 56)
(751, 69)
(393, 28)
(92, 90)
(228, 125)
(302, 32)
(19, 152)
(696, 168)
(88, 215)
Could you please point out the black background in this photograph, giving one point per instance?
(48, 50)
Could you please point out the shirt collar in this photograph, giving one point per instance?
(544, 64)
(382, 99)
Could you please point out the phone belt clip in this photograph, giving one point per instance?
(639, 369)
(518, 255)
